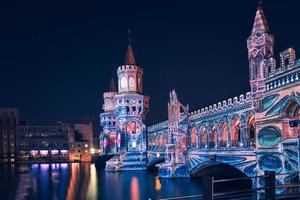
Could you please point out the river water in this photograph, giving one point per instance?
(84, 181)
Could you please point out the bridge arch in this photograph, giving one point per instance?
(216, 170)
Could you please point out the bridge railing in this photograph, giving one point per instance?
(268, 191)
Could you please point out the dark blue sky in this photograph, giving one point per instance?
(57, 57)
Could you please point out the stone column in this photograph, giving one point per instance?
(228, 135)
(206, 138)
(242, 131)
(217, 137)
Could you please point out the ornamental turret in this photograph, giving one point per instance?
(108, 121)
(260, 50)
(130, 76)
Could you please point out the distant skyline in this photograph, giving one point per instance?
(57, 58)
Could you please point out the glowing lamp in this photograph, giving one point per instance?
(93, 151)
(44, 152)
(133, 144)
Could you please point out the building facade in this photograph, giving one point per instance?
(250, 132)
(122, 121)
(81, 142)
(43, 143)
(9, 120)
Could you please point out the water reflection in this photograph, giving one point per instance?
(84, 181)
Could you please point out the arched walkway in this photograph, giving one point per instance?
(212, 136)
(203, 136)
(194, 138)
(235, 131)
(251, 130)
(223, 135)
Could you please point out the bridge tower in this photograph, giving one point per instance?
(175, 165)
(260, 46)
(129, 108)
(108, 121)
(275, 101)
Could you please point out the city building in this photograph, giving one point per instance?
(9, 119)
(81, 143)
(122, 121)
(43, 142)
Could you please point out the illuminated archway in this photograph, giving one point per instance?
(235, 131)
(223, 135)
(212, 136)
(251, 131)
(203, 131)
(194, 137)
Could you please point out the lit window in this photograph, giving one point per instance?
(86, 145)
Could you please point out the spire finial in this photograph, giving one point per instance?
(260, 3)
(129, 36)
(129, 58)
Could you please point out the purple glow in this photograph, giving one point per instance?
(64, 151)
(54, 151)
(44, 152)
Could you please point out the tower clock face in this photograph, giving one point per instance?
(123, 82)
(131, 82)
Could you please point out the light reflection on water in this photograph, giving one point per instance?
(84, 181)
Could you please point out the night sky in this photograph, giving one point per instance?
(57, 57)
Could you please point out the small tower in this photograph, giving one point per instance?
(175, 165)
(260, 46)
(130, 76)
(107, 121)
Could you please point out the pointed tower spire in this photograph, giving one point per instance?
(112, 86)
(260, 22)
(129, 58)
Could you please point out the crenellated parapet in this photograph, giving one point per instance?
(108, 101)
(287, 74)
(225, 106)
(129, 69)
(158, 126)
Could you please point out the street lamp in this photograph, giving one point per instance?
(296, 124)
